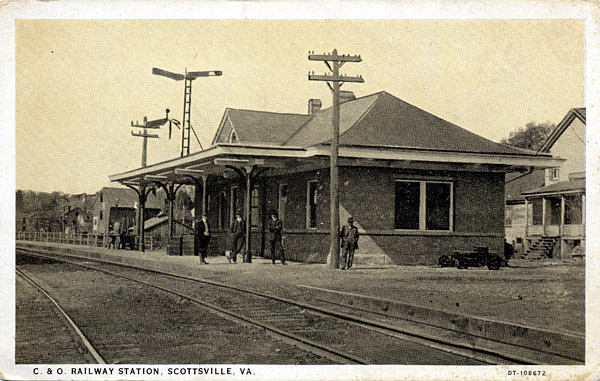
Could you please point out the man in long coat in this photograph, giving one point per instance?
(275, 228)
(237, 236)
(203, 237)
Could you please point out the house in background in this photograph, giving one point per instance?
(113, 205)
(76, 221)
(515, 215)
(417, 186)
(555, 224)
(77, 217)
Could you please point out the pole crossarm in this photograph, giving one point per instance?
(334, 57)
(335, 78)
(141, 134)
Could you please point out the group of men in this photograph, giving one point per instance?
(237, 237)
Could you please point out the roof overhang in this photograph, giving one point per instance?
(216, 160)
(563, 187)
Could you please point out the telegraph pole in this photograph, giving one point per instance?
(153, 124)
(334, 80)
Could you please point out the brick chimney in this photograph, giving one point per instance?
(314, 105)
(346, 96)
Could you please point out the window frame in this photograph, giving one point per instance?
(223, 209)
(280, 203)
(255, 215)
(508, 216)
(308, 204)
(232, 138)
(570, 216)
(423, 205)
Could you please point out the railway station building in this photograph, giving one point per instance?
(417, 186)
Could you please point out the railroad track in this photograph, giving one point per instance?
(83, 339)
(342, 338)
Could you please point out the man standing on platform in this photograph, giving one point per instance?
(275, 228)
(203, 238)
(349, 236)
(237, 236)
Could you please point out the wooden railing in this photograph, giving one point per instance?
(87, 239)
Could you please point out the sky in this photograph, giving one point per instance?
(80, 83)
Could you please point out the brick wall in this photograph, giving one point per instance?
(368, 195)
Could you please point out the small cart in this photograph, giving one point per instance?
(478, 257)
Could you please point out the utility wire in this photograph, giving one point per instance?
(197, 139)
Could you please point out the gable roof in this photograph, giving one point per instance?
(376, 120)
(517, 183)
(573, 113)
(259, 126)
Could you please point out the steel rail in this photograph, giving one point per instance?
(82, 337)
(321, 349)
(479, 354)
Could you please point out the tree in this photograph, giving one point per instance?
(530, 137)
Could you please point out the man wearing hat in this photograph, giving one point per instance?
(203, 236)
(349, 236)
(275, 228)
(237, 236)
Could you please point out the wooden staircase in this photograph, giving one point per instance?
(541, 249)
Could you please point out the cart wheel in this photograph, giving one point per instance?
(494, 263)
(462, 264)
(445, 261)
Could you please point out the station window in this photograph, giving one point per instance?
(255, 215)
(282, 200)
(423, 205)
(222, 200)
(311, 204)
(101, 215)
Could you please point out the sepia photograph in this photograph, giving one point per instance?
(397, 191)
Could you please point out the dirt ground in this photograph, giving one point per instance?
(129, 323)
(548, 295)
